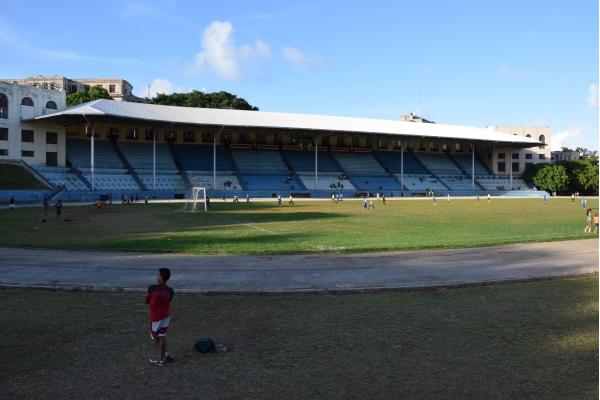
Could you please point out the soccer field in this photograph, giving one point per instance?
(308, 227)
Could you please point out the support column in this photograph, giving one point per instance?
(402, 166)
(316, 163)
(511, 161)
(472, 166)
(215, 162)
(92, 161)
(154, 159)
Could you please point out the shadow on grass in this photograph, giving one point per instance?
(254, 243)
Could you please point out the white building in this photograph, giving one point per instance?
(501, 159)
(33, 143)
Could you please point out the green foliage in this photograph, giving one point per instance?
(587, 177)
(552, 178)
(200, 99)
(88, 94)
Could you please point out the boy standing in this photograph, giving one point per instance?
(159, 298)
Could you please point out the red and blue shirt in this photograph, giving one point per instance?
(159, 298)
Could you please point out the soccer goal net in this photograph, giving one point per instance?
(198, 200)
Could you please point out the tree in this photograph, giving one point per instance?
(200, 99)
(552, 178)
(587, 177)
(88, 94)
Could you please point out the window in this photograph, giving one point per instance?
(27, 136)
(73, 88)
(541, 156)
(528, 135)
(51, 138)
(432, 146)
(132, 134)
(169, 136)
(528, 156)
(27, 153)
(45, 85)
(515, 167)
(501, 166)
(515, 156)
(3, 152)
(111, 88)
(27, 102)
(457, 147)
(501, 156)
(189, 136)
(207, 137)
(149, 134)
(51, 105)
(113, 133)
(3, 133)
(542, 139)
(3, 106)
(489, 156)
(51, 159)
(52, 85)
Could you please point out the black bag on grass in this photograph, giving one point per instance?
(205, 345)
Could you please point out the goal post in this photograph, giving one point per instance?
(198, 196)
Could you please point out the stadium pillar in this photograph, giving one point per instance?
(316, 162)
(402, 167)
(154, 159)
(472, 166)
(214, 162)
(510, 166)
(92, 161)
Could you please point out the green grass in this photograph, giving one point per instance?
(17, 177)
(264, 228)
(536, 340)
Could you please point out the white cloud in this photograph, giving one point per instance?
(221, 54)
(159, 86)
(592, 99)
(298, 59)
(570, 138)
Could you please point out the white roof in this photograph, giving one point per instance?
(263, 119)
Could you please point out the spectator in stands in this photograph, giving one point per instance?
(58, 207)
(12, 203)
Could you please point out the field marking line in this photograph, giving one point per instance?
(216, 214)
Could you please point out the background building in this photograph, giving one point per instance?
(500, 159)
(32, 143)
(119, 89)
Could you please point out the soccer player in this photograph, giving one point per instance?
(364, 204)
(583, 203)
(545, 199)
(371, 204)
(489, 197)
(12, 203)
(434, 199)
(596, 222)
(45, 203)
(572, 198)
(159, 298)
(588, 217)
(58, 206)
(291, 201)
(448, 197)
(383, 199)
(279, 200)
(477, 199)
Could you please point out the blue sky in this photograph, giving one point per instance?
(462, 62)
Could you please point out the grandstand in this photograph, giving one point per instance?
(238, 163)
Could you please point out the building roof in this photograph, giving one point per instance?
(99, 110)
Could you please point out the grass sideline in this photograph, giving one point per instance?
(534, 340)
(309, 227)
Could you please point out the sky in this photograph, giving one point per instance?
(462, 62)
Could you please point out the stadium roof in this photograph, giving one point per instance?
(100, 110)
